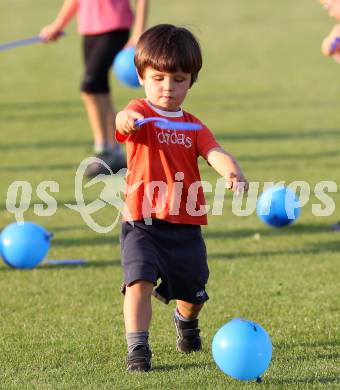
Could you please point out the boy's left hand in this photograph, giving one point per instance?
(237, 183)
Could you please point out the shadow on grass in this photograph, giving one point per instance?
(40, 167)
(289, 157)
(90, 264)
(319, 248)
(318, 356)
(309, 344)
(267, 231)
(168, 367)
(47, 267)
(257, 101)
(98, 240)
(328, 343)
(39, 105)
(58, 229)
(42, 116)
(279, 135)
(312, 381)
(52, 144)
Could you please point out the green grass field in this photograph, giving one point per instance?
(273, 101)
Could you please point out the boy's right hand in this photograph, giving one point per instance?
(126, 121)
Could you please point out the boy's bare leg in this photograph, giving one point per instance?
(186, 322)
(188, 310)
(137, 315)
(137, 306)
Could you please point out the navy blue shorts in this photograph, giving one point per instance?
(174, 253)
(99, 52)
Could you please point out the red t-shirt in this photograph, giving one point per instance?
(163, 179)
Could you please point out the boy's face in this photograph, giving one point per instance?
(333, 7)
(165, 91)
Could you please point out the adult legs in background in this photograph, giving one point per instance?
(101, 116)
(99, 53)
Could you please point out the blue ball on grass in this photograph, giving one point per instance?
(124, 67)
(278, 206)
(242, 349)
(24, 245)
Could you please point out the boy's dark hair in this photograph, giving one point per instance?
(168, 48)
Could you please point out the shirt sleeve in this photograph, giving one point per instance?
(134, 105)
(205, 142)
(121, 138)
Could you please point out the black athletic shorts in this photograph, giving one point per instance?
(174, 253)
(99, 52)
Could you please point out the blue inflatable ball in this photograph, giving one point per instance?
(278, 206)
(124, 67)
(242, 349)
(24, 245)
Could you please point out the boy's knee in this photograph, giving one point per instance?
(188, 309)
(140, 287)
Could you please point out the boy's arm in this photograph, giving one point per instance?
(140, 21)
(52, 31)
(125, 121)
(226, 165)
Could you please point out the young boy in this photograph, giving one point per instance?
(331, 47)
(161, 233)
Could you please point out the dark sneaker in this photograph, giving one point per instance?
(336, 227)
(188, 335)
(114, 161)
(139, 359)
(118, 162)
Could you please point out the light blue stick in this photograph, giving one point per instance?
(23, 42)
(165, 124)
